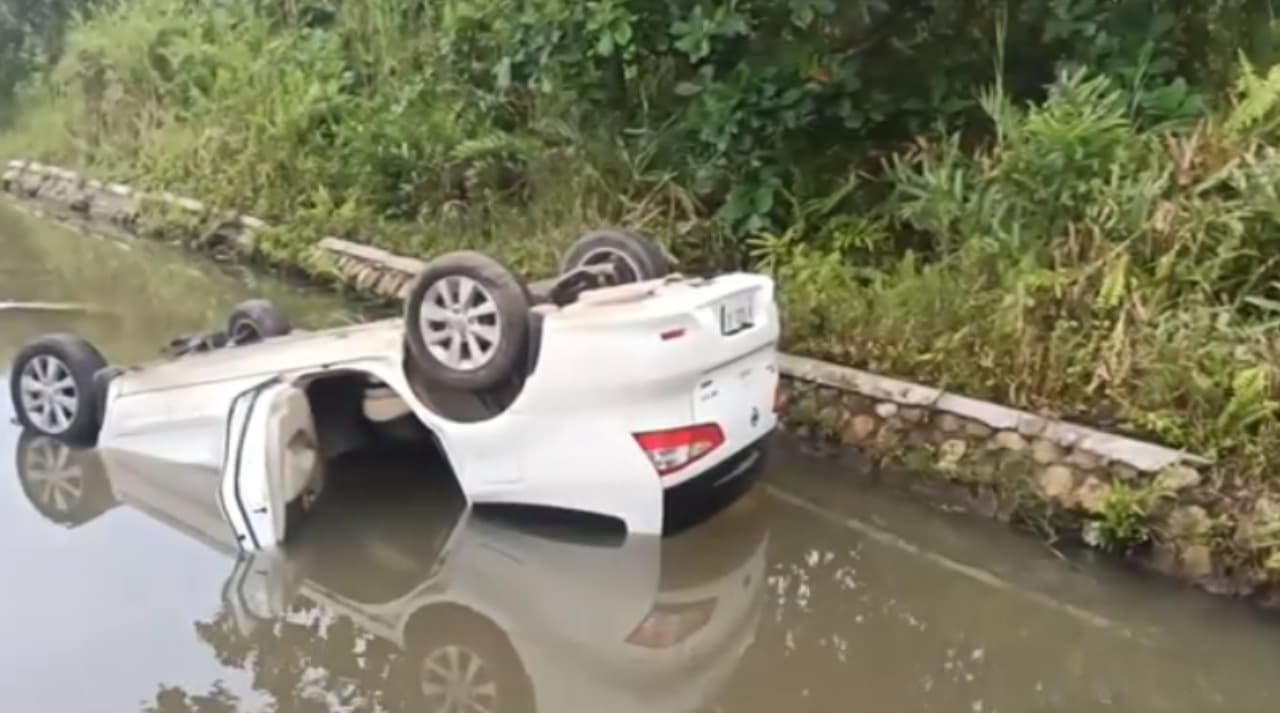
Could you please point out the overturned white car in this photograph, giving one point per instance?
(614, 390)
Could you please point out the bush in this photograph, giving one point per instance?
(405, 107)
(1083, 264)
(31, 37)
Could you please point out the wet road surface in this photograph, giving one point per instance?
(123, 592)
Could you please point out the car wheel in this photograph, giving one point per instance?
(466, 322)
(457, 660)
(65, 484)
(634, 257)
(53, 389)
(255, 320)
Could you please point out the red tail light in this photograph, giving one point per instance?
(670, 451)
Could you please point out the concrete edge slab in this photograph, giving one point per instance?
(1147, 457)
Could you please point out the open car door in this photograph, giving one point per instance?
(271, 468)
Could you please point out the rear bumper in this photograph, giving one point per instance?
(702, 496)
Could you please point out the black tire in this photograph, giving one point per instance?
(65, 484)
(101, 383)
(636, 257)
(475, 345)
(75, 363)
(443, 636)
(255, 320)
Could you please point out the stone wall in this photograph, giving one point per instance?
(1104, 489)
(1060, 478)
(370, 269)
(113, 206)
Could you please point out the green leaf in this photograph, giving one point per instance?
(733, 25)
(687, 89)
(690, 44)
(502, 73)
(763, 199)
(604, 46)
(1264, 303)
(622, 33)
(1252, 383)
(1114, 285)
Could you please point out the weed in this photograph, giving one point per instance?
(1125, 520)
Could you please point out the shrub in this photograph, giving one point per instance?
(1082, 263)
(741, 103)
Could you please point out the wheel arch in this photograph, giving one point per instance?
(340, 417)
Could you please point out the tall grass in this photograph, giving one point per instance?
(345, 128)
(1080, 264)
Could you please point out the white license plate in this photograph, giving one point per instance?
(737, 314)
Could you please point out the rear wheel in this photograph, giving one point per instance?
(466, 322)
(255, 320)
(633, 257)
(53, 389)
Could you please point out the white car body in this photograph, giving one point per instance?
(618, 362)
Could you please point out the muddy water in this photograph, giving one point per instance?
(118, 594)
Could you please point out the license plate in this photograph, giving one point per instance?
(737, 314)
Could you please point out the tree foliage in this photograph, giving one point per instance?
(31, 36)
(740, 101)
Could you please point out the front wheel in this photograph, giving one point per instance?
(53, 389)
(466, 322)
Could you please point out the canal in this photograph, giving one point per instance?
(815, 592)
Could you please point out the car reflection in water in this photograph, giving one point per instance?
(394, 592)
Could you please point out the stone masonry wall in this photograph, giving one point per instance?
(119, 207)
(1058, 478)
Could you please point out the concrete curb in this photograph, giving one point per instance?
(1144, 456)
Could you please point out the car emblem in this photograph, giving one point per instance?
(755, 417)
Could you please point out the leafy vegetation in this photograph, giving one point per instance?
(1066, 205)
(709, 115)
(31, 37)
(1124, 522)
(1122, 273)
